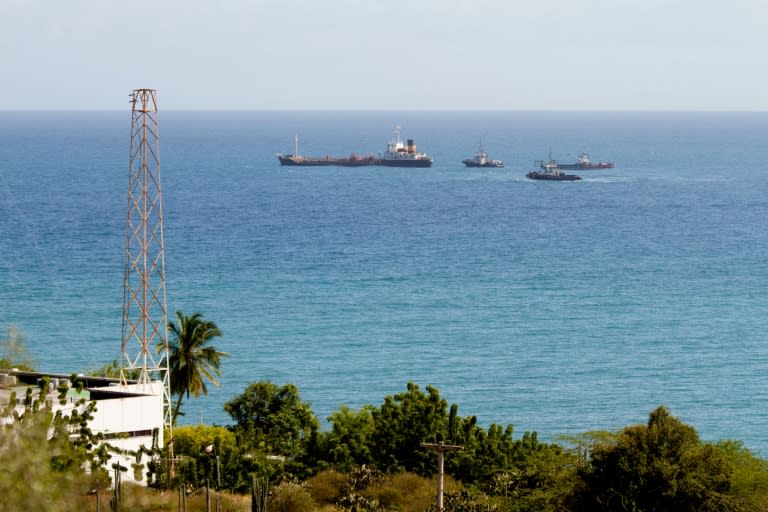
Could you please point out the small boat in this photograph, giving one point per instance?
(551, 172)
(584, 163)
(481, 160)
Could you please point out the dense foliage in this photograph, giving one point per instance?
(659, 466)
(274, 419)
(372, 460)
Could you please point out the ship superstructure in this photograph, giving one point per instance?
(584, 163)
(399, 154)
(481, 160)
(551, 172)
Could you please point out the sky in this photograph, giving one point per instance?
(386, 54)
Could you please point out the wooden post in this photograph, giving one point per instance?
(207, 496)
(218, 481)
(441, 448)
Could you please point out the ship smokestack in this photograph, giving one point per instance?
(411, 146)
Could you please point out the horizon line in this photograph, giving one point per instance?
(424, 110)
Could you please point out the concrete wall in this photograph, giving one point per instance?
(125, 418)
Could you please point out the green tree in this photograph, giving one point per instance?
(660, 466)
(390, 438)
(749, 480)
(348, 443)
(192, 360)
(274, 419)
(404, 421)
(198, 447)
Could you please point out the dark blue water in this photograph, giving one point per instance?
(557, 307)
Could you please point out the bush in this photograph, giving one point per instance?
(466, 501)
(327, 486)
(406, 492)
(290, 497)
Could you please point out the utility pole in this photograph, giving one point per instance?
(441, 448)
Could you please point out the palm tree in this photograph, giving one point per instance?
(191, 361)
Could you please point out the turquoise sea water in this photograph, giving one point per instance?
(557, 307)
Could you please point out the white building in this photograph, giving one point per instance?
(129, 416)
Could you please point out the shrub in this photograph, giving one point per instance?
(290, 497)
(403, 492)
(327, 486)
(467, 501)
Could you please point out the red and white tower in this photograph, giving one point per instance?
(145, 319)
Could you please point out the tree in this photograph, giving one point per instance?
(192, 360)
(749, 480)
(348, 444)
(660, 466)
(199, 446)
(274, 418)
(390, 438)
(403, 422)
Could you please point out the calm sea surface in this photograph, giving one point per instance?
(557, 307)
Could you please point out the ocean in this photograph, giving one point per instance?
(557, 307)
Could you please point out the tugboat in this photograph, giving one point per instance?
(585, 164)
(481, 160)
(403, 155)
(551, 172)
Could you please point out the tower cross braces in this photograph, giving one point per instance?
(145, 318)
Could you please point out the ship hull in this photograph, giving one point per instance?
(552, 177)
(306, 161)
(487, 164)
(586, 167)
(422, 162)
(325, 161)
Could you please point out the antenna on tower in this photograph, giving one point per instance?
(145, 319)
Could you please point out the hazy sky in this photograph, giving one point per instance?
(386, 54)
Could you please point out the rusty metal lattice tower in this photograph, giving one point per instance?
(145, 319)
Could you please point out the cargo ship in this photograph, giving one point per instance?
(551, 172)
(403, 155)
(397, 154)
(352, 160)
(585, 164)
(481, 160)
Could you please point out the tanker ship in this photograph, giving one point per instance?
(352, 160)
(398, 154)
